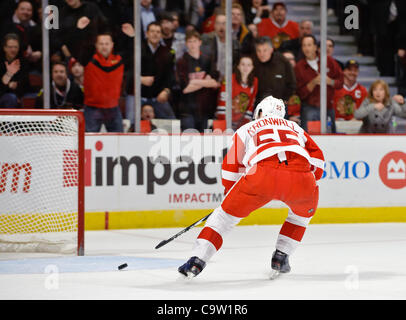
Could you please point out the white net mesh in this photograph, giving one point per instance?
(38, 183)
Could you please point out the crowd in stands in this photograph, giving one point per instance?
(183, 61)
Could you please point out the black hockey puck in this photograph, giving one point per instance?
(122, 266)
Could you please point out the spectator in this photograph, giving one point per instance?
(195, 74)
(120, 19)
(254, 30)
(377, 110)
(275, 73)
(208, 23)
(172, 39)
(65, 94)
(190, 27)
(350, 96)
(149, 13)
(103, 80)
(240, 31)
(293, 45)
(293, 104)
(147, 113)
(157, 76)
(277, 27)
(401, 46)
(244, 91)
(76, 71)
(401, 71)
(307, 73)
(400, 59)
(256, 11)
(383, 27)
(176, 24)
(189, 11)
(330, 44)
(28, 31)
(157, 73)
(7, 8)
(13, 72)
(80, 23)
(214, 45)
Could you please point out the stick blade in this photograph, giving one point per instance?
(162, 243)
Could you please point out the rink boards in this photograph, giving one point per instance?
(144, 181)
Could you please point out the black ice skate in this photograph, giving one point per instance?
(192, 267)
(279, 264)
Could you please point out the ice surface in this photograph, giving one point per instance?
(341, 261)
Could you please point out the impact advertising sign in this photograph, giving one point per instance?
(161, 172)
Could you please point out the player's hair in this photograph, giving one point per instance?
(251, 76)
(385, 86)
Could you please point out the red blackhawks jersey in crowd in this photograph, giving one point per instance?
(347, 100)
(270, 137)
(278, 33)
(243, 98)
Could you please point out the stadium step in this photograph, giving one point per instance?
(391, 81)
(362, 60)
(290, 3)
(368, 71)
(341, 49)
(345, 45)
(332, 30)
(343, 39)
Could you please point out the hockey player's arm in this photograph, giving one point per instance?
(316, 157)
(232, 167)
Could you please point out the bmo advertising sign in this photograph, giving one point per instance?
(392, 170)
(130, 173)
(363, 171)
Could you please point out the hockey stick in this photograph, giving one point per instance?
(164, 242)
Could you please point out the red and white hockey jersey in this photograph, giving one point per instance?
(243, 99)
(347, 100)
(265, 138)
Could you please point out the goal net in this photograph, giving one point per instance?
(41, 181)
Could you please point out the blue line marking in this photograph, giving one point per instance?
(84, 264)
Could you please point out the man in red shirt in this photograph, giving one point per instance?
(277, 27)
(307, 72)
(103, 77)
(350, 96)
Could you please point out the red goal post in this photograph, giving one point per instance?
(42, 181)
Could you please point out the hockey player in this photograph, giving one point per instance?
(270, 158)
